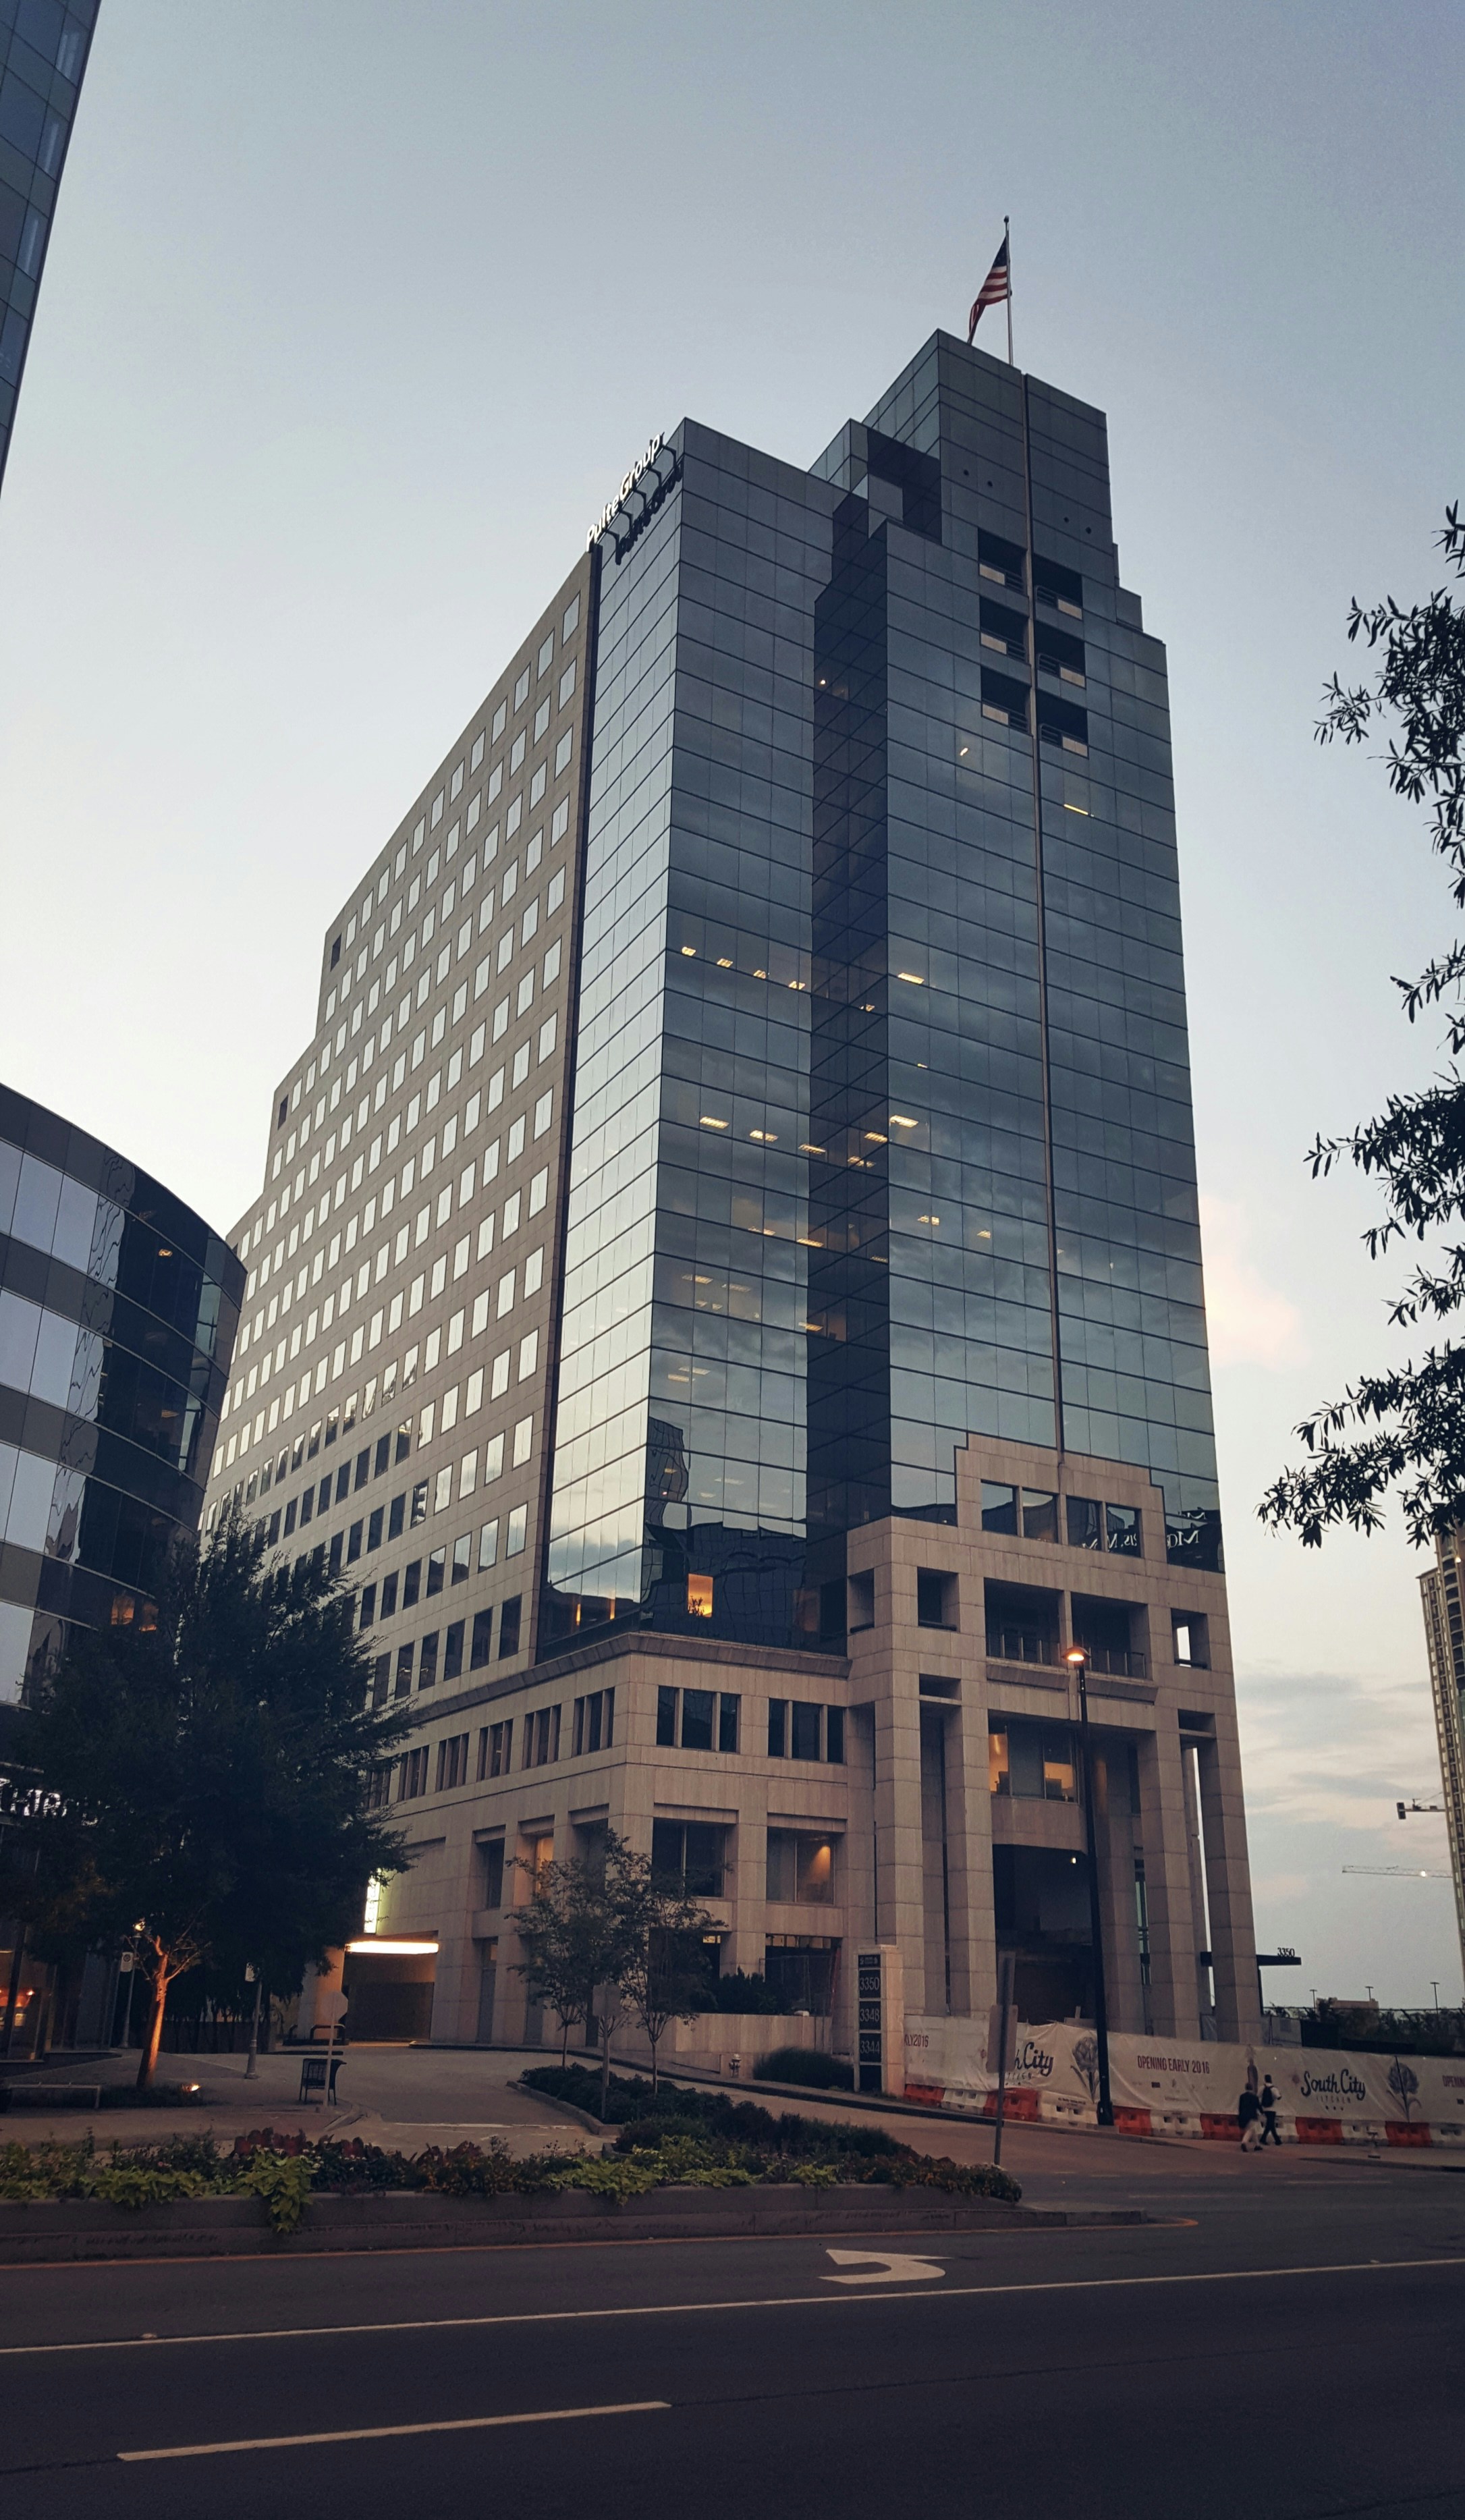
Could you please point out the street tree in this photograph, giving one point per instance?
(207, 1775)
(668, 1979)
(577, 1929)
(560, 1933)
(1403, 1431)
(603, 1936)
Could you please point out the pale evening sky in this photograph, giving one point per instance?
(357, 311)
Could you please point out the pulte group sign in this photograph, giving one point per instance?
(1166, 2086)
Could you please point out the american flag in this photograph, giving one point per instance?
(995, 289)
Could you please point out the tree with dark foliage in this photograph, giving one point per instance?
(206, 1777)
(1405, 1430)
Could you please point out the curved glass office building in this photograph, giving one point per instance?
(43, 56)
(118, 1314)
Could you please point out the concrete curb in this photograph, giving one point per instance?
(63, 2232)
(564, 2108)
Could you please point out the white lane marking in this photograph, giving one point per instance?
(885, 2270)
(687, 2309)
(396, 2432)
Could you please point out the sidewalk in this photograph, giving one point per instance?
(407, 2098)
(399, 2097)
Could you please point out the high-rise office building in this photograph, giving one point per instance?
(725, 1287)
(1440, 1588)
(43, 51)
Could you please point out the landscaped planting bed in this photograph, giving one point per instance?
(694, 2140)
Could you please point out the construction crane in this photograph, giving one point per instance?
(1396, 1871)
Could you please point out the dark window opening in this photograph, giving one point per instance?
(1060, 653)
(688, 1855)
(1110, 1634)
(1124, 1535)
(1086, 1522)
(697, 1719)
(1022, 1623)
(1054, 584)
(1005, 700)
(1003, 562)
(1005, 630)
(935, 1598)
(1062, 722)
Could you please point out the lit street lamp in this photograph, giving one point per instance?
(1078, 1664)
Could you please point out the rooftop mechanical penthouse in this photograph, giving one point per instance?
(726, 1290)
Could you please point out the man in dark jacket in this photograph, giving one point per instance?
(1249, 2120)
(1267, 2103)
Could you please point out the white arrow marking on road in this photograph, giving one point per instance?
(878, 2269)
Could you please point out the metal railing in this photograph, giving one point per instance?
(1117, 1662)
(1021, 1644)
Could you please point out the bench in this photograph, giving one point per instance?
(313, 2079)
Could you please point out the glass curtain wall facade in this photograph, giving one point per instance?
(118, 1315)
(883, 1132)
(680, 1458)
(43, 54)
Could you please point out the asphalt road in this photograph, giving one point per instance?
(1294, 2349)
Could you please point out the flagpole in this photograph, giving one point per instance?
(1007, 239)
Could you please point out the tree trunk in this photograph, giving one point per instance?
(565, 2041)
(656, 2063)
(604, 2066)
(153, 2037)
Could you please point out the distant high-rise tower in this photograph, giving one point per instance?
(1444, 1634)
(725, 1287)
(43, 54)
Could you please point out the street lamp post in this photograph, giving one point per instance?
(251, 2061)
(1078, 1664)
(128, 1966)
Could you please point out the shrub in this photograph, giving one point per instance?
(707, 2140)
(743, 1991)
(632, 2103)
(806, 2065)
(282, 2182)
(139, 2184)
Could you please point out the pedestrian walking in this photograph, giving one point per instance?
(1267, 2102)
(1249, 2120)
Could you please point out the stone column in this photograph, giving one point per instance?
(1174, 1936)
(1233, 1946)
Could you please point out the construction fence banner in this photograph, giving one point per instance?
(1170, 2087)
